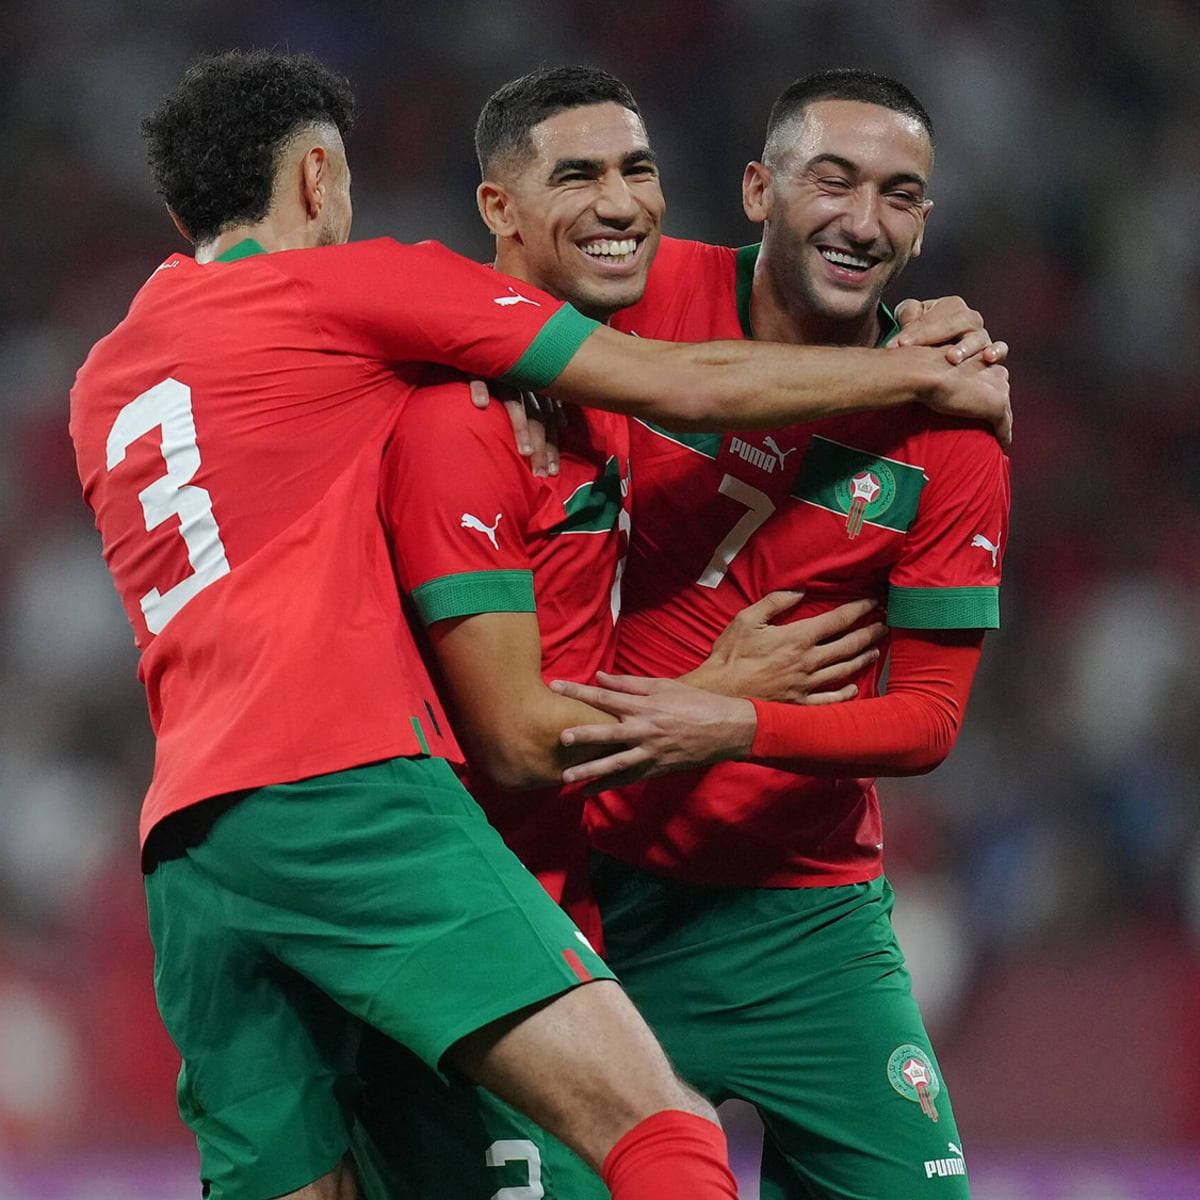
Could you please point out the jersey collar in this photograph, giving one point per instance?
(244, 249)
(747, 256)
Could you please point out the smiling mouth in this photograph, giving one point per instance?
(614, 251)
(858, 263)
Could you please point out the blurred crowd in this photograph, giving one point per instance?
(1049, 873)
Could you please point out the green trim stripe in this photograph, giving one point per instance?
(826, 479)
(944, 608)
(549, 352)
(470, 592)
(888, 325)
(747, 256)
(593, 507)
(246, 248)
(708, 444)
(416, 724)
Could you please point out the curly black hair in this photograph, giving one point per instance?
(215, 139)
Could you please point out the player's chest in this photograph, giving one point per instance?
(757, 511)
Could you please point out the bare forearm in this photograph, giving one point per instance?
(520, 747)
(723, 385)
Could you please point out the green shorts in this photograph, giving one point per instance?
(378, 894)
(797, 1001)
(420, 1138)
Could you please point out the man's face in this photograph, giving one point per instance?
(844, 205)
(585, 213)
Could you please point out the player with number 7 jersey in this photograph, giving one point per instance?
(903, 506)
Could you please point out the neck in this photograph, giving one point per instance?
(777, 316)
(270, 235)
(512, 264)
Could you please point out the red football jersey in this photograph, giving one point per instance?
(474, 531)
(228, 435)
(902, 505)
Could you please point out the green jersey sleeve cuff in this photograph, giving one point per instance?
(551, 350)
(472, 592)
(944, 608)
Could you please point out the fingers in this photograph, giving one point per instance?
(596, 735)
(838, 697)
(772, 605)
(618, 704)
(968, 346)
(997, 352)
(552, 418)
(515, 407)
(536, 429)
(908, 311)
(838, 620)
(936, 322)
(633, 685)
(845, 668)
(480, 396)
(623, 762)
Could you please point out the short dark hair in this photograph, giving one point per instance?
(845, 83)
(508, 116)
(215, 140)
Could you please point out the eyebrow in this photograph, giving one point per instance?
(853, 169)
(643, 155)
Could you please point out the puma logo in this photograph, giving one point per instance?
(515, 298)
(992, 548)
(779, 454)
(469, 521)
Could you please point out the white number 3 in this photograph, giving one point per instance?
(517, 1150)
(168, 405)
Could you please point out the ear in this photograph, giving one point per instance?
(757, 191)
(314, 180)
(183, 229)
(926, 209)
(496, 208)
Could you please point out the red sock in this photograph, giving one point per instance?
(672, 1155)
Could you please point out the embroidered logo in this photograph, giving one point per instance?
(910, 1072)
(470, 521)
(866, 495)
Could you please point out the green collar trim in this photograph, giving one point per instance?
(244, 249)
(747, 256)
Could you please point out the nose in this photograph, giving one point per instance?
(861, 220)
(615, 202)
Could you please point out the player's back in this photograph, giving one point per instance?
(229, 446)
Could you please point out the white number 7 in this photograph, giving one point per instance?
(760, 506)
(169, 405)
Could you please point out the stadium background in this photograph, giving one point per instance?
(1048, 874)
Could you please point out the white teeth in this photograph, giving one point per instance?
(842, 259)
(607, 248)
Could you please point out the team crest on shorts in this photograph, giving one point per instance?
(910, 1072)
